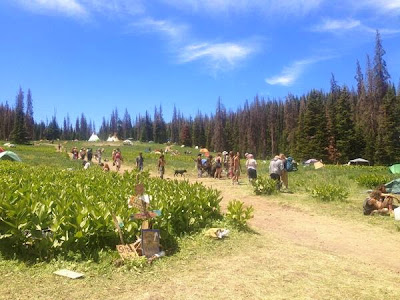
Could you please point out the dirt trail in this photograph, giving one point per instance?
(359, 241)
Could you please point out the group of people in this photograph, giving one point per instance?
(227, 162)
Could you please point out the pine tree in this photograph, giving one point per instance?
(388, 132)
(29, 121)
(18, 134)
(344, 128)
(185, 136)
(313, 140)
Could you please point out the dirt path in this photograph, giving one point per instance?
(358, 241)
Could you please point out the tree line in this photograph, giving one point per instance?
(335, 126)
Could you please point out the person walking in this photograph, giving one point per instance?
(139, 162)
(284, 173)
(161, 166)
(275, 171)
(236, 168)
(118, 159)
(218, 166)
(251, 165)
(199, 165)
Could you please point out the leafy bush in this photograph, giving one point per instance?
(329, 193)
(47, 211)
(372, 180)
(264, 185)
(238, 215)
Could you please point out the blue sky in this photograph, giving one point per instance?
(92, 56)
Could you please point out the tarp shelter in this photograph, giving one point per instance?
(94, 138)
(358, 162)
(128, 142)
(393, 186)
(310, 161)
(395, 169)
(318, 165)
(9, 155)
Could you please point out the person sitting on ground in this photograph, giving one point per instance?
(106, 168)
(372, 205)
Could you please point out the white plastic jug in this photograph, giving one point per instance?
(397, 214)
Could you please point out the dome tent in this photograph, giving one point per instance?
(9, 155)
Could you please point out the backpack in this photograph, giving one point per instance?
(289, 164)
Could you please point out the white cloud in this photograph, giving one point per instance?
(218, 56)
(291, 73)
(332, 25)
(386, 6)
(290, 7)
(175, 32)
(69, 7)
(120, 7)
(344, 25)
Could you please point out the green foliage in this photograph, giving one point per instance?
(48, 211)
(264, 185)
(238, 214)
(329, 192)
(372, 180)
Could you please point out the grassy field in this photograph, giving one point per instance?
(279, 258)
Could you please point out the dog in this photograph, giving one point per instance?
(181, 172)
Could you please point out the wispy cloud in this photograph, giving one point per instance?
(345, 25)
(287, 7)
(291, 73)
(68, 7)
(386, 6)
(218, 56)
(84, 8)
(175, 32)
(334, 25)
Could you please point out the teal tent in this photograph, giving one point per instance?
(9, 155)
(395, 169)
(393, 186)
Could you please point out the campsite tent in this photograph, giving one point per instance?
(358, 162)
(395, 169)
(310, 161)
(94, 138)
(128, 142)
(9, 155)
(113, 139)
(393, 186)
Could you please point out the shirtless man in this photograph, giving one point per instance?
(372, 205)
(236, 168)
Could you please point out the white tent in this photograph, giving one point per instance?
(112, 139)
(128, 142)
(94, 138)
(358, 161)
